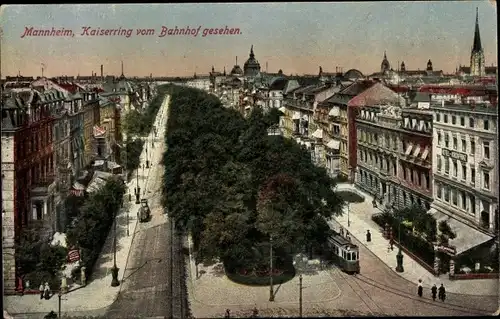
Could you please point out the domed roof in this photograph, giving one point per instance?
(354, 74)
(236, 70)
(251, 66)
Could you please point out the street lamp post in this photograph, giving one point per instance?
(271, 289)
(137, 189)
(114, 271)
(300, 296)
(128, 211)
(399, 256)
(147, 157)
(348, 215)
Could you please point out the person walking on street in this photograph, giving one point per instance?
(41, 289)
(442, 293)
(420, 289)
(391, 243)
(228, 314)
(434, 292)
(368, 236)
(46, 291)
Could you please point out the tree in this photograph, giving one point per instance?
(421, 221)
(133, 123)
(231, 185)
(446, 233)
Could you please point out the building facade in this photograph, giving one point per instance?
(27, 169)
(393, 152)
(466, 152)
(91, 112)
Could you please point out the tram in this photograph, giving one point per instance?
(344, 253)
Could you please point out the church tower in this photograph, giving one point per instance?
(477, 54)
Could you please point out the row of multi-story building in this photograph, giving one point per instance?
(55, 134)
(408, 137)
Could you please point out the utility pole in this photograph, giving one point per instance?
(348, 215)
(271, 289)
(59, 296)
(300, 296)
(137, 189)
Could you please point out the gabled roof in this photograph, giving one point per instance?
(357, 87)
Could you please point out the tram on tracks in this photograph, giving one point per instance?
(344, 253)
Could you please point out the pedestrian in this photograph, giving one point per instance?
(41, 289)
(368, 236)
(342, 231)
(391, 243)
(442, 293)
(228, 314)
(255, 312)
(420, 288)
(46, 291)
(434, 292)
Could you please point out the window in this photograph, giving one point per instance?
(454, 200)
(472, 147)
(455, 142)
(471, 122)
(440, 162)
(455, 168)
(473, 176)
(486, 125)
(453, 120)
(439, 138)
(446, 165)
(438, 117)
(439, 191)
(446, 193)
(486, 180)
(463, 200)
(446, 140)
(462, 121)
(445, 118)
(464, 172)
(464, 144)
(486, 150)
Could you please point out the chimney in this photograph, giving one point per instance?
(102, 72)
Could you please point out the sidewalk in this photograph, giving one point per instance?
(98, 294)
(360, 220)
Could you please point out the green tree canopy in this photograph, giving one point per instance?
(233, 186)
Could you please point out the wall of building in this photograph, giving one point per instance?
(8, 215)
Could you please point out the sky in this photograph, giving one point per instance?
(295, 37)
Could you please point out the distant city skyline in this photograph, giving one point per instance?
(294, 37)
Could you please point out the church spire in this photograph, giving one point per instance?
(476, 47)
(123, 75)
(251, 52)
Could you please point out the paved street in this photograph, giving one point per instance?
(147, 288)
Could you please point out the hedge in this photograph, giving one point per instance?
(416, 245)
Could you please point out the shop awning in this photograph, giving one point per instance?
(425, 153)
(296, 116)
(335, 111)
(333, 144)
(416, 152)
(467, 237)
(318, 133)
(408, 149)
